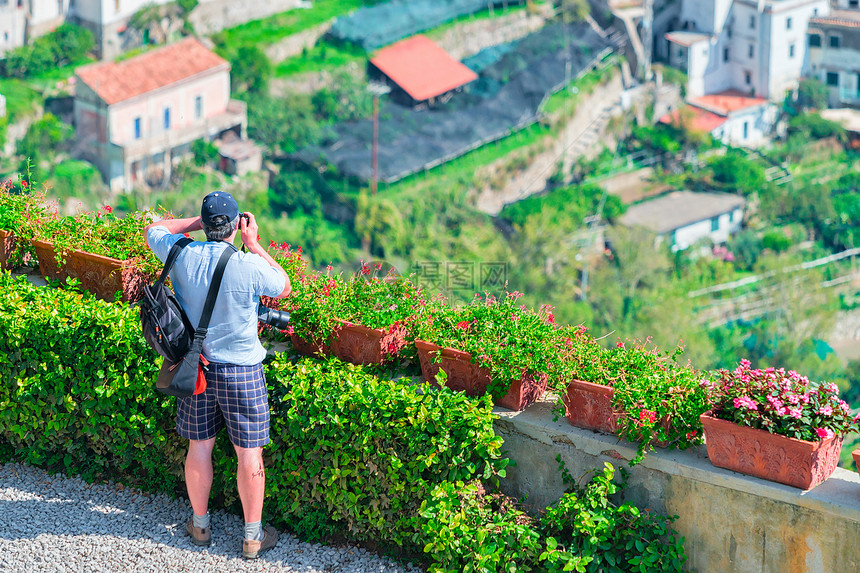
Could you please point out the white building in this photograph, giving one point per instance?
(731, 117)
(685, 218)
(755, 46)
(834, 54)
(23, 20)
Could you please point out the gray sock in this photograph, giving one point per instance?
(254, 531)
(201, 521)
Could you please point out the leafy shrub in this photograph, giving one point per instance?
(588, 532)
(467, 530)
(76, 387)
(369, 451)
(736, 173)
(775, 241)
(813, 126)
(205, 152)
(67, 44)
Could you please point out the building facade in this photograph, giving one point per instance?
(23, 20)
(135, 118)
(834, 55)
(754, 46)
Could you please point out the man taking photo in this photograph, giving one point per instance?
(235, 395)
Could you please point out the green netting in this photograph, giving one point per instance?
(506, 96)
(375, 26)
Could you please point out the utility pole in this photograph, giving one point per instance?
(377, 89)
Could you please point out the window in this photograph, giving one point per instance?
(752, 51)
(116, 5)
(835, 41)
(833, 79)
(59, 7)
(854, 3)
(752, 22)
(746, 129)
(815, 40)
(747, 78)
(137, 128)
(166, 118)
(198, 107)
(788, 23)
(715, 224)
(725, 54)
(791, 50)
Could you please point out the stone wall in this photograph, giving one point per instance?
(732, 523)
(213, 15)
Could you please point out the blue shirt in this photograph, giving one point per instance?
(232, 335)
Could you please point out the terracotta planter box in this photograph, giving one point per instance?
(473, 379)
(7, 245)
(769, 456)
(589, 406)
(102, 276)
(362, 345)
(856, 455)
(302, 346)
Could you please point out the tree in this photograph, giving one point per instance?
(71, 43)
(293, 191)
(45, 138)
(285, 123)
(345, 99)
(737, 173)
(812, 94)
(250, 70)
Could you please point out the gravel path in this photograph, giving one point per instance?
(56, 524)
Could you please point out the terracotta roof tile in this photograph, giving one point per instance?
(422, 68)
(119, 81)
(843, 18)
(726, 102)
(701, 119)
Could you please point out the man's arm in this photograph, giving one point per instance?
(177, 226)
(249, 237)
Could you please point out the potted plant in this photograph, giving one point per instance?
(631, 389)
(21, 210)
(775, 425)
(494, 346)
(373, 314)
(312, 302)
(105, 252)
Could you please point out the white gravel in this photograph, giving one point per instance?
(56, 524)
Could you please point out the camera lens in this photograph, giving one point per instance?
(279, 319)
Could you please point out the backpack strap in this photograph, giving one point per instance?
(171, 258)
(214, 286)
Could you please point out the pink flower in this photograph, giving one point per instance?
(619, 344)
(464, 325)
(796, 413)
(108, 209)
(794, 399)
(290, 330)
(745, 402)
(824, 433)
(825, 410)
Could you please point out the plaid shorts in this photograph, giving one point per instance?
(235, 397)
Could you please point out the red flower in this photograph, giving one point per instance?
(24, 183)
(463, 325)
(108, 209)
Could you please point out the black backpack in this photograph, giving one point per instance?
(165, 326)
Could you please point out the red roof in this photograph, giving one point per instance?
(701, 120)
(726, 102)
(114, 82)
(422, 68)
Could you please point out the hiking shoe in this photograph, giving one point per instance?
(251, 549)
(201, 536)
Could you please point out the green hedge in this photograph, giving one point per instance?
(350, 451)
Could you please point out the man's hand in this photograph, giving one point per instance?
(249, 230)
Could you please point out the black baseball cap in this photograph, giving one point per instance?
(216, 204)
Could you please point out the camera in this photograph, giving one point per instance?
(246, 217)
(279, 319)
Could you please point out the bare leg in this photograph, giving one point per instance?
(251, 481)
(198, 474)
